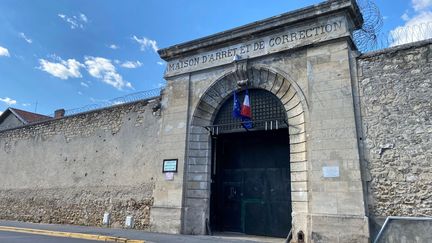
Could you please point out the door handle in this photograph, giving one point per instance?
(232, 192)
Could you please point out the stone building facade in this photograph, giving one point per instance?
(357, 126)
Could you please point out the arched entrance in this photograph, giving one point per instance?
(251, 189)
(198, 168)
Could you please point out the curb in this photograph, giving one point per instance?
(70, 235)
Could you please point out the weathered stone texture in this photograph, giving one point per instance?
(82, 206)
(72, 170)
(396, 106)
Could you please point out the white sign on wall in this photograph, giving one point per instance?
(330, 171)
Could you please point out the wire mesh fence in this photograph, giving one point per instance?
(142, 95)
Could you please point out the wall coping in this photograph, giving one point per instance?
(259, 27)
(395, 48)
(144, 101)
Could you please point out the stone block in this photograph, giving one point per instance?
(197, 194)
(296, 120)
(297, 157)
(350, 203)
(197, 203)
(324, 203)
(298, 176)
(197, 177)
(300, 207)
(194, 220)
(321, 143)
(199, 145)
(334, 154)
(336, 186)
(298, 138)
(298, 166)
(166, 220)
(297, 131)
(198, 168)
(333, 228)
(299, 186)
(198, 153)
(345, 113)
(298, 147)
(198, 161)
(299, 196)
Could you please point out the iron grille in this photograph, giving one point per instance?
(268, 112)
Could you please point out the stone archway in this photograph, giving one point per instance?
(198, 163)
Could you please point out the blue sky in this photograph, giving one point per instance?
(67, 54)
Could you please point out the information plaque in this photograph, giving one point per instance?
(169, 165)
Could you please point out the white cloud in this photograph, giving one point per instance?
(80, 93)
(405, 17)
(1, 112)
(63, 69)
(145, 43)
(161, 63)
(4, 52)
(113, 46)
(130, 64)
(75, 21)
(26, 104)
(28, 40)
(84, 84)
(419, 5)
(8, 101)
(415, 29)
(83, 17)
(104, 70)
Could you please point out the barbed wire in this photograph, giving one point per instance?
(365, 37)
(399, 36)
(370, 37)
(142, 95)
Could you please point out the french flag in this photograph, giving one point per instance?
(246, 108)
(246, 112)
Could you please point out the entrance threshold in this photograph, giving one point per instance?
(252, 238)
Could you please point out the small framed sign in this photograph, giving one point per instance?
(169, 165)
(330, 171)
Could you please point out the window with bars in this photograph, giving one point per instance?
(268, 112)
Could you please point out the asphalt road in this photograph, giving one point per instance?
(15, 237)
(149, 237)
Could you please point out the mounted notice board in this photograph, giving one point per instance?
(169, 165)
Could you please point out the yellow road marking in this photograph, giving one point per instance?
(70, 235)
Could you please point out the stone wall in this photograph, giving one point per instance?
(72, 170)
(395, 88)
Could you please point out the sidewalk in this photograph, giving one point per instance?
(148, 237)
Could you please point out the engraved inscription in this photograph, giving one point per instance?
(276, 42)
